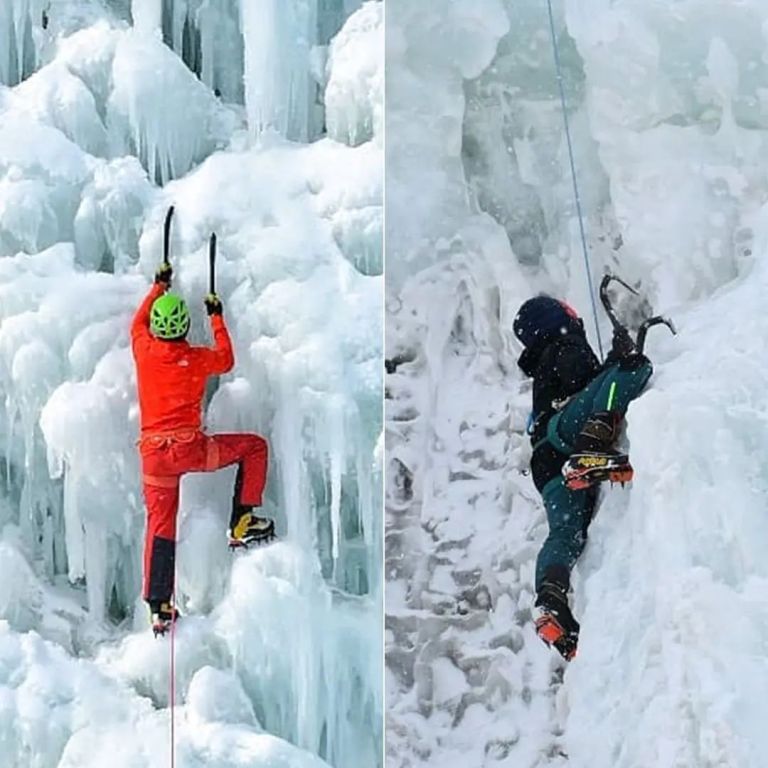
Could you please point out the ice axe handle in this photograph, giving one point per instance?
(167, 237)
(212, 265)
(606, 299)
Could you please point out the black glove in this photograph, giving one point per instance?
(163, 274)
(213, 304)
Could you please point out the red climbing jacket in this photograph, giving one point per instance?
(172, 374)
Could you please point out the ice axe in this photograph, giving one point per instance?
(605, 299)
(212, 265)
(167, 238)
(648, 324)
(645, 326)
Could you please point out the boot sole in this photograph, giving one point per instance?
(586, 478)
(235, 544)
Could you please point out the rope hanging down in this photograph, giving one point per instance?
(172, 676)
(576, 195)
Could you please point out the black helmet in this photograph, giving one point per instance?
(543, 317)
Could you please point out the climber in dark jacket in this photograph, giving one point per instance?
(578, 406)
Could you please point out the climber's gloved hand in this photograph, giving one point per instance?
(213, 304)
(623, 346)
(163, 274)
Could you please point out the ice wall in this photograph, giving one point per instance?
(205, 35)
(66, 713)
(159, 112)
(85, 143)
(700, 108)
(263, 54)
(427, 191)
(700, 76)
(679, 559)
(279, 89)
(354, 95)
(667, 118)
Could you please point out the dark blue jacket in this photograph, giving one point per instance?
(560, 365)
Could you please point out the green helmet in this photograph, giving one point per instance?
(169, 318)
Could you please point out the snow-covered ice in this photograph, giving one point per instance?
(669, 124)
(103, 125)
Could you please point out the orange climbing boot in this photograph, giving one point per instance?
(555, 624)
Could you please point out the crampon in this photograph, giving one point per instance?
(583, 470)
(251, 530)
(549, 629)
(555, 623)
(163, 617)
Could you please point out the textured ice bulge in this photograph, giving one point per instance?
(123, 110)
(669, 122)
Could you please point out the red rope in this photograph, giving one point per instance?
(172, 694)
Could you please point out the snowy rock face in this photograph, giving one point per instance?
(278, 662)
(467, 683)
(668, 125)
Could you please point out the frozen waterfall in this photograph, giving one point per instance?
(279, 653)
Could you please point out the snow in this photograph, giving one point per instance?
(278, 657)
(668, 124)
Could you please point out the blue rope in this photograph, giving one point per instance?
(573, 175)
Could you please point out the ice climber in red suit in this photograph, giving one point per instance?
(171, 377)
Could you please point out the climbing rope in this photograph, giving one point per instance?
(172, 677)
(576, 195)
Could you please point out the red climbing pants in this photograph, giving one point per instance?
(165, 458)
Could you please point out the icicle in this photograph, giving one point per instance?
(289, 455)
(279, 90)
(18, 18)
(336, 427)
(221, 48)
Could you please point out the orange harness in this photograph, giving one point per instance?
(164, 438)
(161, 439)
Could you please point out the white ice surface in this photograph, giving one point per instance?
(669, 124)
(354, 95)
(278, 655)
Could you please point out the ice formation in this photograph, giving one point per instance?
(279, 658)
(352, 116)
(18, 20)
(668, 122)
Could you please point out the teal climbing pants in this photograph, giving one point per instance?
(569, 513)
